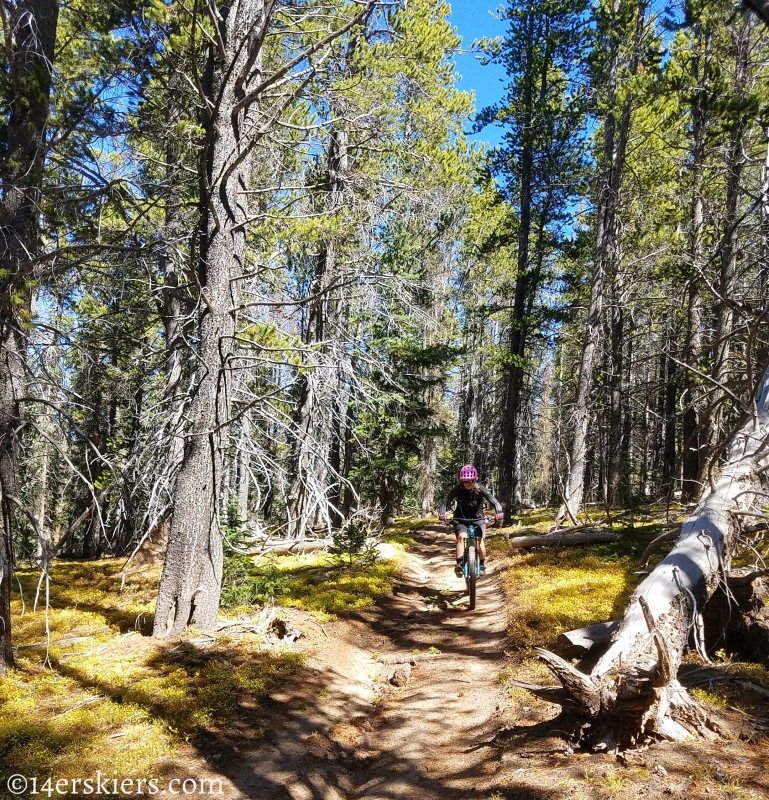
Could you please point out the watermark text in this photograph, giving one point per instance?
(103, 784)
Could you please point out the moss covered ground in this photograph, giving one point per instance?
(91, 687)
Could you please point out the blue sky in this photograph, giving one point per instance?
(473, 20)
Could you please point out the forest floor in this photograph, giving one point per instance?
(340, 730)
(319, 718)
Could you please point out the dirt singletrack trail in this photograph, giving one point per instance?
(340, 730)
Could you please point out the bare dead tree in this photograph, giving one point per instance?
(633, 693)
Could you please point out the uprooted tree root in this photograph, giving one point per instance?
(624, 710)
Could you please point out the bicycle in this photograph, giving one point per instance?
(471, 563)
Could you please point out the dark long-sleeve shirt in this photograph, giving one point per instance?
(470, 502)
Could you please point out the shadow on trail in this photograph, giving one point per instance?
(430, 739)
(301, 759)
(457, 637)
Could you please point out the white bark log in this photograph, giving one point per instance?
(704, 549)
(564, 539)
(632, 692)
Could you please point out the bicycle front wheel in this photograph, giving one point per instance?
(472, 573)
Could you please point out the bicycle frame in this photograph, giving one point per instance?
(471, 539)
(471, 563)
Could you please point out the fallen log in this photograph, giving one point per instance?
(632, 694)
(563, 539)
(285, 546)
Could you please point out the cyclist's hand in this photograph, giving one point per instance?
(442, 517)
(499, 517)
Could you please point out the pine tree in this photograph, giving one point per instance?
(539, 164)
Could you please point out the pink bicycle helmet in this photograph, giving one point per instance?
(468, 473)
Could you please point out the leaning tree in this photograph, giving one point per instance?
(633, 693)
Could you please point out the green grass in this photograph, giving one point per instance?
(406, 525)
(556, 591)
(552, 591)
(715, 699)
(404, 541)
(340, 591)
(318, 583)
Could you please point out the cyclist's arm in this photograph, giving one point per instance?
(487, 495)
(447, 499)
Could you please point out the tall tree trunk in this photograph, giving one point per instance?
(527, 279)
(691, 399)
(734, 162)
(616, 489)
(190, 584)
(30, 37)
(338, 434)
(690, 423)
(517, 347)
(471, 406)
(613, 160)
(624, 452)
(428, 464)
(349, 497)
(41, 511)
(342, 443)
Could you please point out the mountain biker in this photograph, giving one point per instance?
(471, 497)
